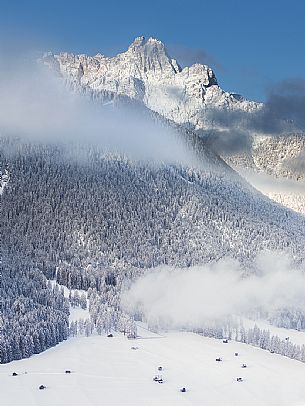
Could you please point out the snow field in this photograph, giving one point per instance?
(106, 370)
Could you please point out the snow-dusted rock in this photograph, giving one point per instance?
(147, 73)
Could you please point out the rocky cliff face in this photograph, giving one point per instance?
(147, 73)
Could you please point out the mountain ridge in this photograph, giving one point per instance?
(147, 73)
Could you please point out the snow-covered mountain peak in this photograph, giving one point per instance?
(141, 44)
(149, 57)
(147, 73)
(138, 41)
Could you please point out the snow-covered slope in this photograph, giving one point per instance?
(275, 166)
(147, 73)
(108, 371)
(287, 192)
(278, 156)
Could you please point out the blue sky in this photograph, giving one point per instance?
(250, 44)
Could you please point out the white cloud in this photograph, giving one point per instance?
(35, 105)
(193, 296)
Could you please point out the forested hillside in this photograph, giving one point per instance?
(92, 223)
(110, 209)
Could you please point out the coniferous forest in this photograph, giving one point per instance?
(93, 221)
